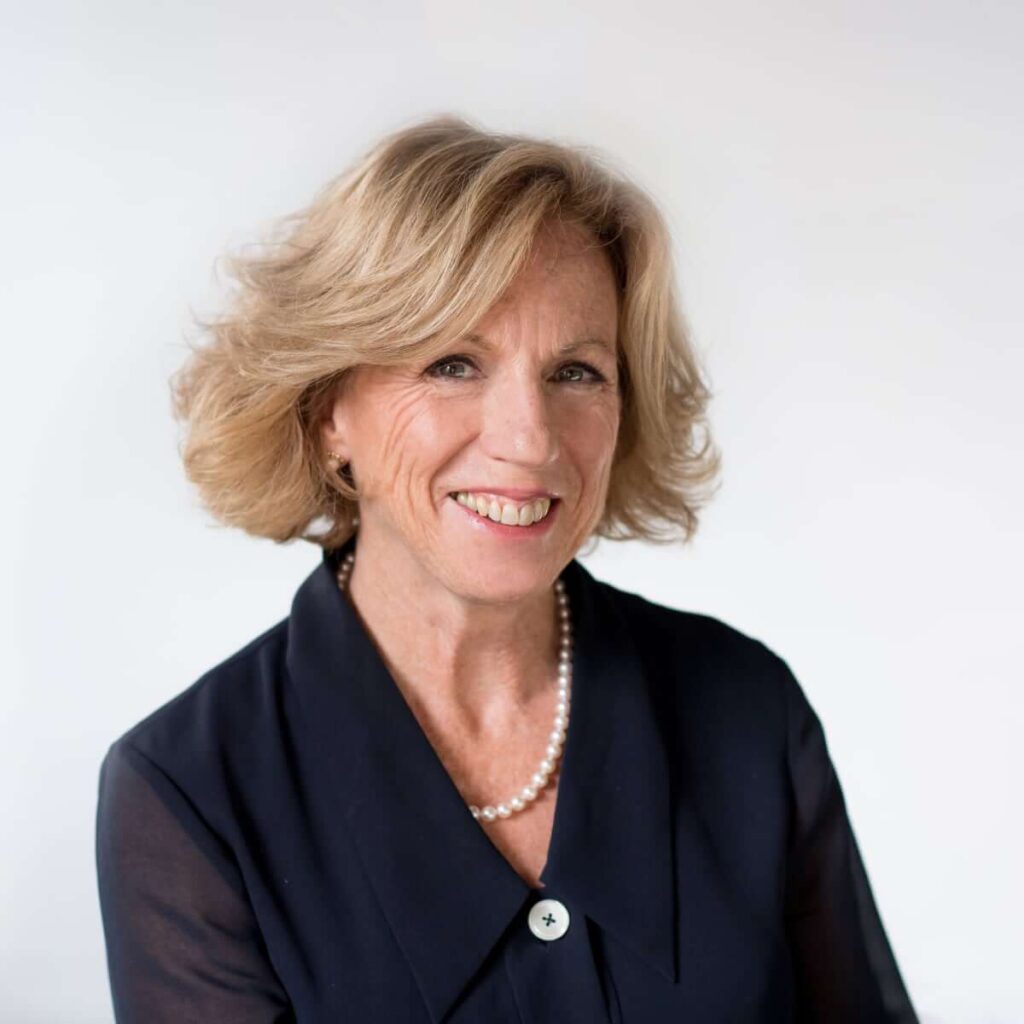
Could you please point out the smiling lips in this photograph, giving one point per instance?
(503, 510)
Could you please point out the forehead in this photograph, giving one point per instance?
(569, 268)
(561, 247)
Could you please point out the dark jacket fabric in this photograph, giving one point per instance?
(281, 843)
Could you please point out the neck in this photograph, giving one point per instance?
(467, 665)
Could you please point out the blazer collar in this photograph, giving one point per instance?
(611, 845)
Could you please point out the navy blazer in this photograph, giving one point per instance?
(280, 842)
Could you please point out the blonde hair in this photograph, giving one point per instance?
(393, 260)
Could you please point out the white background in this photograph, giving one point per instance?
(844, 186)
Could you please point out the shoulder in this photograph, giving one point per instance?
(709, 669)
(732, 702)
(232, 706)
(702, 639)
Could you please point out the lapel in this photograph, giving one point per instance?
(424, 854)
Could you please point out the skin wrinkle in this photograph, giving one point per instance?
(467, 621)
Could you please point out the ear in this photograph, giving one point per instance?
(334, 422)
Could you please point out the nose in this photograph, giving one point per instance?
(518, 424)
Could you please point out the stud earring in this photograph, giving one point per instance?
(340, 465)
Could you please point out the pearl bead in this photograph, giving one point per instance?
(503, 811)
(488, 814)
(552, 750)
(529, 793)
(547, 766)
(517, 803)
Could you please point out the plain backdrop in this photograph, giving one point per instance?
(843, 182)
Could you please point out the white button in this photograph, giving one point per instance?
(548, 920)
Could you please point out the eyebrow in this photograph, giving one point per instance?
(479, 340)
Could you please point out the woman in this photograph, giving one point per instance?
(464, 780)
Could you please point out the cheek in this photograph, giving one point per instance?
(591, 436)
(598, 429)
(408, 438)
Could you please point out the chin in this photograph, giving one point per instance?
(501, 584)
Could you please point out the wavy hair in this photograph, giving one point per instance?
(393, 260)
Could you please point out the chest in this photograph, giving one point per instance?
(479, 773)
(524, 839)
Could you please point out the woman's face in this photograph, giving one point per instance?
(526, 406)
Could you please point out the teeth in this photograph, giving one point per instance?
(506, 512)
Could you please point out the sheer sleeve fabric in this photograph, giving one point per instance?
(844, 967)
(182, 940)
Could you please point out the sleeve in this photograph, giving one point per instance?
(182, 940)
(844, 968)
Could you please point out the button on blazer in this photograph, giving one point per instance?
(281, 843)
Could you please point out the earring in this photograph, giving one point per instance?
(341, 465)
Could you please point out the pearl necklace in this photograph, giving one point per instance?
(556, 739)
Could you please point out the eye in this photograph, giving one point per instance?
(438, 369)
(448, 367)
(596, 375)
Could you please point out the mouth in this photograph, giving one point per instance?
(506, 515)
